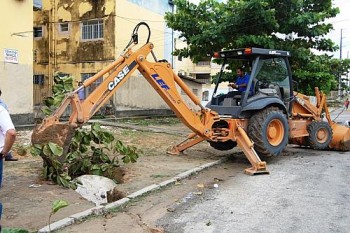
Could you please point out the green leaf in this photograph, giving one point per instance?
(36, 149)
(14, 230)
(46, 150)
(126, 159)
(48, 101)
(55, 149)
(105, 158)
(57, 205)
(107, 137)
(46, 110)
(86, 140)
(83, 148)
(96, 127)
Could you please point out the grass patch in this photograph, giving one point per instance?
(151, 121)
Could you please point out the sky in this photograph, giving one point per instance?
(342, 21)
(37, 2)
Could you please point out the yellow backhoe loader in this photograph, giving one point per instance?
(260, 123)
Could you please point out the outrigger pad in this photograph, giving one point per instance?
(253, 171)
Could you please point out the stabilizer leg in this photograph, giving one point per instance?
(190, 141)
(247, 146)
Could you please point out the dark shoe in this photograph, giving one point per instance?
(11, 159)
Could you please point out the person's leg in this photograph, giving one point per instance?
(1, 169)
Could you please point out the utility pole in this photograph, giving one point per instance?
(340, 57)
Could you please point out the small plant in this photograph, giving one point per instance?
(56, 206)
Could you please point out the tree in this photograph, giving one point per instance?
(293, 25)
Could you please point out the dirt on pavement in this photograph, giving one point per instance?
(27, 198)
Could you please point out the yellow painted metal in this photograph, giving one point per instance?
(304, 110)
(341, 137)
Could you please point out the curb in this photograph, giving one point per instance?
(99, 210)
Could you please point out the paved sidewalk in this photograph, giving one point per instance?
(144, 191)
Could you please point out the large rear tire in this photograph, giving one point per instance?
(269, 131)
(320, 135)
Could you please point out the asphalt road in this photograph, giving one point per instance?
(307, 191)
(340, 115)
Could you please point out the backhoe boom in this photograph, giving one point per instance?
(163, 79)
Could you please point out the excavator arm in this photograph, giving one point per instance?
(162, 78)
(158, 73)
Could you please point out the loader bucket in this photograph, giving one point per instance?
(59, 133)
(341, 137)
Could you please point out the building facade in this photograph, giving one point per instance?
(16, 59)
(81, 37)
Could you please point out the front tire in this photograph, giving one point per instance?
(269, 131)
(320, 135)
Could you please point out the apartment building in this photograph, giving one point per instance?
(16, 59)
(81, 37)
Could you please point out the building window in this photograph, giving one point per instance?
(62, 75)
(64, 27)
(38, 32)
(37, 4)
(93, 86)
(205, 96)
(38, 79)
(203, 63)
(195, 91)
(92, 30)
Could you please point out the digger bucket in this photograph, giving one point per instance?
(341, 137)
(59, 133)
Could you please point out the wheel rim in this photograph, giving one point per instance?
(275, 132)
(322, 135)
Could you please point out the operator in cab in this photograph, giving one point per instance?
(241, 84)
(241, 81)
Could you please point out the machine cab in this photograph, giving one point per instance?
(269, 82)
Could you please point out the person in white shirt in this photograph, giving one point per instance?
(7, 138)
(8, 156)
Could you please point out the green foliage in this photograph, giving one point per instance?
(151, 121)
(56, 206)
(62, 85)
(14, 230)
(296, 26)
(93, 151)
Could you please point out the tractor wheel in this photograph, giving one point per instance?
(320, 135)
(228, 145)
(269, 131)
